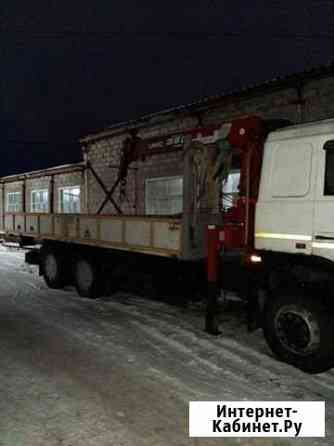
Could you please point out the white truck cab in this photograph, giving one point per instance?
(295, 209)
(294, 233)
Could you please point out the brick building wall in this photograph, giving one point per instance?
(312, 100)
(13, 186)
(31, 183)
(298, 101)
(104, 155)
(69, 179)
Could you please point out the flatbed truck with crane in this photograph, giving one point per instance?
(274, 243)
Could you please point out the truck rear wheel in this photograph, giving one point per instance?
(52, 269)
(87, 279)
(300, 331)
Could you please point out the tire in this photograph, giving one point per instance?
(88, 281)
(53, 269)
(300, 331)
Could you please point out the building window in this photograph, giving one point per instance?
(69, 200)
(39, 200)
(329, 169)
(231, 189)
(164, 196)
(14, 201)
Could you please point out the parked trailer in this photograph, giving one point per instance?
(274, 245)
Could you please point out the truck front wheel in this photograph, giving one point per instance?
(87, 279)
(300, 331)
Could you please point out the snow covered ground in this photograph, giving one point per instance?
(120, 371)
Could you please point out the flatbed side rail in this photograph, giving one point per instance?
(153, 235)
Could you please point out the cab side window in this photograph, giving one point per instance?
(291, 170)
(329, 168)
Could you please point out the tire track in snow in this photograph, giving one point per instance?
(185, 332)
(292, 381)
(210, 369)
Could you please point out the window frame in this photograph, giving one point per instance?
(60, 190)
(32, 201)
(18, 193)
(163, 178)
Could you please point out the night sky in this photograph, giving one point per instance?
(69, 68)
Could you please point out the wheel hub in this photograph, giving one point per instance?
(297, 330)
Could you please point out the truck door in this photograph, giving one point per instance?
(285, 209)
(323, 233)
